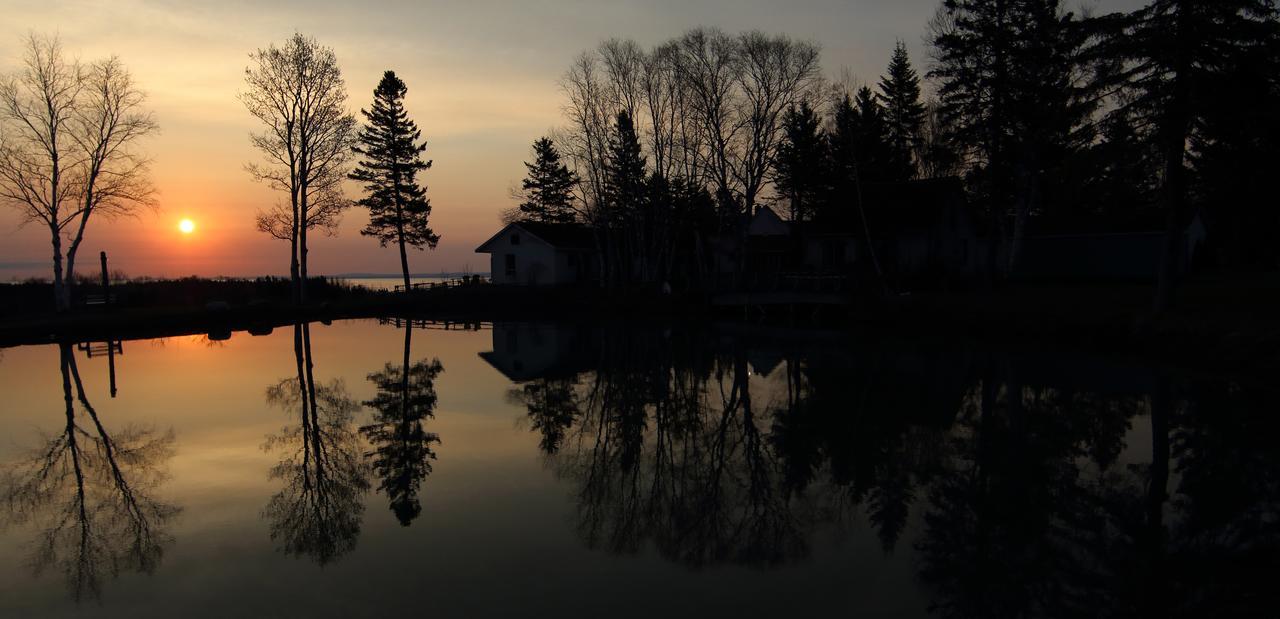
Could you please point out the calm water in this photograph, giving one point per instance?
(363, 469)
(389, 283)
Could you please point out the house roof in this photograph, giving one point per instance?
(559, 236)
(766, 223)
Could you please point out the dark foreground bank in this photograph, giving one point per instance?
(1221, 324)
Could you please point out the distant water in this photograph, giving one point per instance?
(389, 283)
(362, 469)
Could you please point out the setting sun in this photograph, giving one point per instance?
(186, 226)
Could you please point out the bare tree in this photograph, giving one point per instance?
(114, 178)
(587, 138)
(297, 92)
(67, 139)
(708, 64)
(776, 73)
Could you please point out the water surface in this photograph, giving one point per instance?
(366, 469)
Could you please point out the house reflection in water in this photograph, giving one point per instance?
(525, 351)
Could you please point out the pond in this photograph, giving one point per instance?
(371, 468)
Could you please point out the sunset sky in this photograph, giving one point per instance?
(483, 84)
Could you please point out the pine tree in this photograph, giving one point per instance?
(843, 164)
(402, 447)
(1006, 74)
(903, 113)
(548, 189)
(391, 159)
(1125, 176)
(626, 193)
(625, 177)
(860, 141)
(1171, 56)
(802, 162)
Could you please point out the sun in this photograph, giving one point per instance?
(186, 226)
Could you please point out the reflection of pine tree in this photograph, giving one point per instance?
(92, 494)
(318, 510)
(1013, 521)
(552, 407)
(402, 448)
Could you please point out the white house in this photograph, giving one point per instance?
(530, 253)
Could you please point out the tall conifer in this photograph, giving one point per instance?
(548, 188)
(390, 161)
(903, 112)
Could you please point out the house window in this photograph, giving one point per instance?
(511, 265)
(515, 239)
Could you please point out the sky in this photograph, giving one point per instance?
(483, 85)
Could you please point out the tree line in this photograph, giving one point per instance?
(1055, 121)
(70, 150)
(308, 143)
(1009, 487)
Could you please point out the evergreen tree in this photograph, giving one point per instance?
(802, 162)
(626, 191)
(548, 189)
(1124, 176)
(843, 163)
(1006, 84)
(1234, 153)
(936, 157)
(625, 177)
(1170, 58)
(871, 139)
(859, 153)
(903, 113)
(390, 161)
(403, 452)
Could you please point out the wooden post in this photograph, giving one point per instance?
(106, 296)
(111, 363)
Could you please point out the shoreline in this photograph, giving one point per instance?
(1220, 336)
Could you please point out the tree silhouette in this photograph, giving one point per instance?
(903, 113)
(318, 510)
(402, 453)
(548, 188)
(552, 408)
(398, 206)
(69, 151)
(92, 493)
(625, 179)
(297, 92)
(1010, 98)
(1169, 58)
(803, 164)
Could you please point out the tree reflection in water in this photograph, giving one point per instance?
(92, 493)
(402, 452)
(1025, 501)
(318, 511)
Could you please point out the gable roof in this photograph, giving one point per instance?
(559, 236)
(767, 223)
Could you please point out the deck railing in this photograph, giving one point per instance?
(456, 282)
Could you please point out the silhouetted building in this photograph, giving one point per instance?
(1102, 255)
(918, 228)
(527, 351)
(531, 253)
